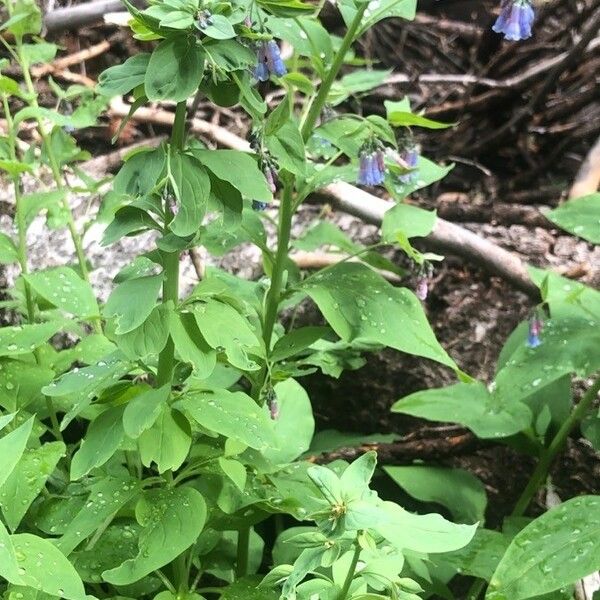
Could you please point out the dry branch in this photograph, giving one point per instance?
(80, 15)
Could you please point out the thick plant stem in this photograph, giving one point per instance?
(540, 474)
(286, 210)
(317, 105)
(556, 445)
(171, 261)
(243, 548)
(350, 575)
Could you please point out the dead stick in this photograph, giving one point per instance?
(72, 59)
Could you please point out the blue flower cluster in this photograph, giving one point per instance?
(408, 159)
(515, 20)
(269, 61)
(371, 170)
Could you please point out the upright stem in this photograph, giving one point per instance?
(243, 547)
(286, 210)
(171, 261)
(540, 473)
(350, 575)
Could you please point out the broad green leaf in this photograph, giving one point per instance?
(142, 411)
(9, 567)
(411, 220)
(297, 341)
(65, 289)
(191, 185)
(239, 169)
(426, 173)
(26, 18)
(328, 483)
(44, 567)
(556, 549)
(12, 446)
(140, 173)
(21, 383)
(362, 306)
(228, 55)
(177, 19)
(36, 202)
(456, 489)
(356, 82)
(121, 79)
(232, 414)
(580, 216)
(127, 314)
(167, 442)
(422, 533)
(127, 221)
(8, 250)
(325, 233)
(27, 480)
(226, 330)
(104, 435)
(405, 9)
(191, 346)
(150, 337)
(220, 28)
(116, 545)
(172, 519)
(106, 497)
(175, 69)
(295, 424)
(23, 339)
(235, 470)
(246, 588)
(287, 146)
(469, 404)
(481, 556)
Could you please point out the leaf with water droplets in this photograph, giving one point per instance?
(66, 290)
(469, 404)
(106, 497)
(21, 382)
(43, 567)
(9, 567)
(232, 414)
(12, 446)
(362, 306)
(556, 549)
(172, 519)
(24, 339)
(580, 216)
(27, 480)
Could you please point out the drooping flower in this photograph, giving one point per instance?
(535, 329)
(422, 288)
(408, 158)
(371, 166)
(259, 206)
(272, 404)
(515, 20)
(269, 61)
(270, 177)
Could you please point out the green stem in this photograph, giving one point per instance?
(556, 445)
(350, 575)
(171, 261)
(540, 474)
(243, 547)
(317, 105)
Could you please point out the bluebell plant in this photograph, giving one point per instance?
(269, 61)
(515, 20)
(371, 169)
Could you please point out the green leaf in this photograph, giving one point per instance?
(296, 341)
(407, 119)
(580, 217)
(220, 28)
(9, 567)
(26, 19)
(23, 339)
(45, 568)
(167, 442)
(456, 489)
(121, 79)
(246, 588)
(21, 383)
(150, 337)
(556, 549)
(27, 480)
(129, 220)
(411, 220)
(12, 446)
(142, 411)
(66, 290)
(175, 69)
(127, 314)
(105, 499)
(278, 117)
(325, 233)
(235, 470)
(469, 404)
(229, 55)
(177, 19)
(8, 250)
(422, 533)
(239, 169)
(226, 330)
(191, 346)
(295, 425)
(140, 172)
(34, 203)
(232, 414)
(362, 306)
(172, 519)
(356, 82)
(191, 185)
(104, 435)
(287, 146)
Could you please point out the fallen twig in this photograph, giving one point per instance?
(72, 59)
(79, 15)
